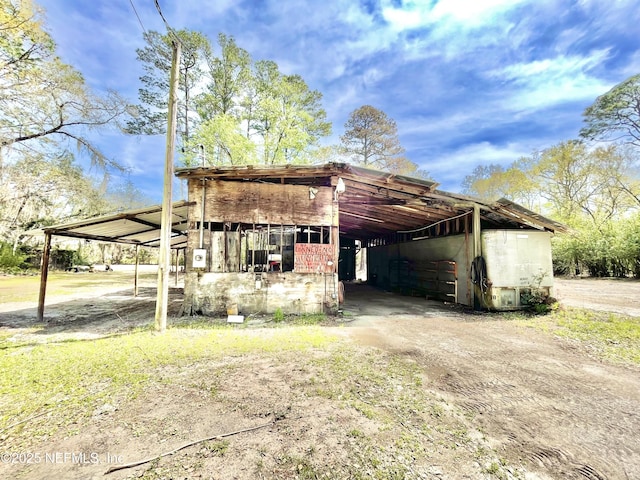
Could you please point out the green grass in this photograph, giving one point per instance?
(308, 319)
(616, 337)
(393, 426)
(68, 381)
(22, 288)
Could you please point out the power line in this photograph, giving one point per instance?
(138, 16)
(166, 24)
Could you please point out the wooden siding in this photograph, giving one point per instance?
(262, 203)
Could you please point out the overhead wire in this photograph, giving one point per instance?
(166, 24)
(138, 16)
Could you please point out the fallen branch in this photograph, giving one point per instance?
(22, 421)
(214, 437)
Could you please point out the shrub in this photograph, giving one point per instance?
(10, 260)
(278, 315)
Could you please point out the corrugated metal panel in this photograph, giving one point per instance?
(140, 226)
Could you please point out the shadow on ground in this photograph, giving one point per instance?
(95, 316)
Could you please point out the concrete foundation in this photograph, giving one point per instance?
(293, 293)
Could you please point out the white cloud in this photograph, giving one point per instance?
(486, 152)
(450, 28)
(560, 66)
(413, 14)
(544, 83)
(403, 19)
(472, 12)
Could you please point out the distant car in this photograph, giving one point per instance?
(78, 268)
(101, 267)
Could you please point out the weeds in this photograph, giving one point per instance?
(69, 381)
(613, 336)
(218, 448)
(309, 319)
(278, 315)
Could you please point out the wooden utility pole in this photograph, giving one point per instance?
(164, 260)
(44, 273)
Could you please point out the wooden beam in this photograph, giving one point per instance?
(99, 238)
(152, 226)
(370, 200)
(391, 184)
(379, 191)
(364, 217)
(44, 273)
(262, 172)
(477, 234)
(135, 274)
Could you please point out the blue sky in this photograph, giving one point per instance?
(468, 82)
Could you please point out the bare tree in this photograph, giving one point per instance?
(43, 101)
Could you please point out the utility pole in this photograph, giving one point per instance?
(46, 252)
(164, 260)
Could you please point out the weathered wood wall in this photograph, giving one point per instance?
(224, 245)
(211, 291)
(251, 202)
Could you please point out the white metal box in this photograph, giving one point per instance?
(199, 258)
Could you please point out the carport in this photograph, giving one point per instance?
(420, 240)
(139, 227)
(308, 221)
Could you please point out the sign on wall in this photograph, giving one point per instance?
(313, 258)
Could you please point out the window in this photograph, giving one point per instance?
(259, 247)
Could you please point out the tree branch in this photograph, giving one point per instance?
(214, 437)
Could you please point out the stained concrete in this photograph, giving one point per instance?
(293, 293)
(362, 300)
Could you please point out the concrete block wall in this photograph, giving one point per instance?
(454, 247)
(294, 293)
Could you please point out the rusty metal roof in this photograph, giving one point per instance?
(134, 227)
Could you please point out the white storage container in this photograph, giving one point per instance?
(518, 263)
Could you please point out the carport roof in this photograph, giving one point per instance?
(133, 227)
(377, 203)
(374, 204)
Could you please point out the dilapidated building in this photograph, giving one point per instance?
(263, 238)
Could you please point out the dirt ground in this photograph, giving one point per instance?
(87, 305)
(544, 404)
(610, 295)
(539, 399)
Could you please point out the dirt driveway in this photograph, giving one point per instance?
(620, 295)
(539, 400)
